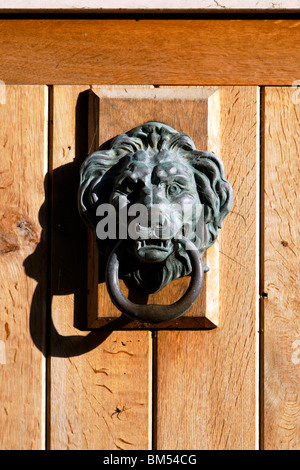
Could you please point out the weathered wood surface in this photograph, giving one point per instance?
(92, 375)
(195, 111)
(99, 387)
(281, 267)
(23, 166)
(157, 51)
(206, 380)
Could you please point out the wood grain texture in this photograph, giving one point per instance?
(281, 301)
(92, 375)
(102, 399)
(211, 374)
(177, 52)
(195, 111)
(23, 165)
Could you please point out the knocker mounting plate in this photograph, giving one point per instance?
(154, 205)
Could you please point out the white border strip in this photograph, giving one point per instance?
(150, 5)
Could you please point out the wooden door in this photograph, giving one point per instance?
(68, 384)
(146, 374)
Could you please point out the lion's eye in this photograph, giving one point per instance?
(127, 187)
(174, 189)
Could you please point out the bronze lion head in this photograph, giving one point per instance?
(182, 191)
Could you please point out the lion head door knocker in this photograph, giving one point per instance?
(155, 203)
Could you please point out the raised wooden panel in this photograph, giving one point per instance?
(97, 400)
(195, 111)
(23, 266)
(152, 51)
(281, 267)
(206, 380)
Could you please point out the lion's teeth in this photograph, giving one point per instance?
(152, 242)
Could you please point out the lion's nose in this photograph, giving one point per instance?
(152, 196)
(158, 218)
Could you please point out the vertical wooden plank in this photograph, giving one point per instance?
(212, 374)
(100, 392)
(281, 300)
(23, 166)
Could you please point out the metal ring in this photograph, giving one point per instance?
(155, 313)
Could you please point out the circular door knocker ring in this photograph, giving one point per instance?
(154, 313)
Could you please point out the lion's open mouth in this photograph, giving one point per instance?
(153, 249)
(155, 244)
